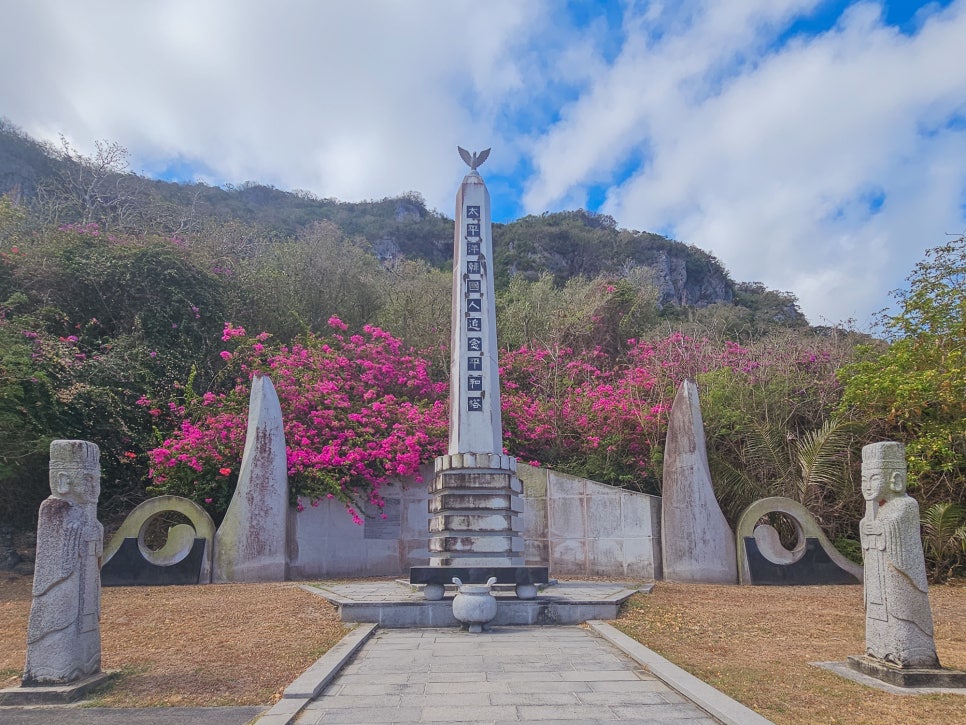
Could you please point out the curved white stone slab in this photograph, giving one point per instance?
(697, 542)
(180, 538)
(250, 544)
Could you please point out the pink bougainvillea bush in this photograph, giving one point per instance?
(584, 413)
(357, 411)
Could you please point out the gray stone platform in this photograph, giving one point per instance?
(843, 669)
(52, 694)
(908, 676)
(395, 603)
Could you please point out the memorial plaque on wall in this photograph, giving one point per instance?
(390, 527)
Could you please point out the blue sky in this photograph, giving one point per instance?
(816, 147)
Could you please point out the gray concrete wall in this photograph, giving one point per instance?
(578, 527)
(584, 528)
(324, 542)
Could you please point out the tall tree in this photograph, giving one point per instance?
(915, 391)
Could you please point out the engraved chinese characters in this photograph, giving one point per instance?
(474, 308)
(898, 620)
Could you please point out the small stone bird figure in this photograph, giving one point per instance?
(473, 160)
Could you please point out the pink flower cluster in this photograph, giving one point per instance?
(585, 413)
(231, 331)
(91, 229)
(357, 411)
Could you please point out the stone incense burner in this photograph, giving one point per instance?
(474, 605)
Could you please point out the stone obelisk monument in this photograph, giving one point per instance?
(476, 424)
(475, 510)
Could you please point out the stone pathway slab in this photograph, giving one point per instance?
(562, 674)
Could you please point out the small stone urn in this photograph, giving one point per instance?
(474, 605)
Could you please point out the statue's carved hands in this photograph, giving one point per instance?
(872, 534)
(872, 528)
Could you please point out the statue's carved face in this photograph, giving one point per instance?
(897, 481)
(873, 483)
(91, 489)
(882, 482)
(78, 486)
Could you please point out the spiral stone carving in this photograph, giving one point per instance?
(185, 557)
(762, 559)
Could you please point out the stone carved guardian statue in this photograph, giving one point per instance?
(898, 620)
(63, 632)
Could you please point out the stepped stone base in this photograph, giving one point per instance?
(474, 559)
(503, 522)
(907, 676)
(490, 461)
(475, 503)
(479, 574)
(437, 577)
(476, 543)
(475, 512)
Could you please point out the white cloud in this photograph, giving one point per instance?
(354, 100)
(768, 170)
(764, 151)
(668, 57)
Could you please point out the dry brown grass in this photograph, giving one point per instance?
(755, 643)
(226, 644)
(243, 643)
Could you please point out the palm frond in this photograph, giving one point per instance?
(768, 444)
(943, 523)
(768, 453)
(820, 455)
(735, 488)
(944, 537)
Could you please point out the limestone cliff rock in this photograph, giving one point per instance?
(709, 285)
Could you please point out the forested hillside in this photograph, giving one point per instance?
(133, 314)
(62, 186)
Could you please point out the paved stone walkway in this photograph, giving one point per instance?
(510, 674)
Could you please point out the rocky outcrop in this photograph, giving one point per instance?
(567, 244)
(386, 250)
(706, 284)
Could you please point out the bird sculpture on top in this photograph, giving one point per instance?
(473, 160)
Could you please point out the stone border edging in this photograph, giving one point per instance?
(311, 682)
(715, 703)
